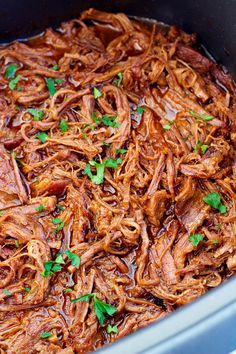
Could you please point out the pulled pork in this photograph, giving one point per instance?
(117, 183)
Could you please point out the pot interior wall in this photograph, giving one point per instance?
(214, 21)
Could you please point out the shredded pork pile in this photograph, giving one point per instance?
(117, 160)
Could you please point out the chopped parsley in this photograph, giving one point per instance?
(100, 308)
(7, 292)
(36, 113)
(28, 290)
(121, 151)
(86, 126)
(204, 148)
(12, 83)
(75, 259)
(56, 221)
(55, 67)
(119, 79)
(67, 290)
(215, 242)
(60, 207)
(51, 86)
(51, 267)
(42, 136)
(168, 126)
(2, 212)
(17, 243)
(96, 93)
(45, 335)
(140, 110)
(204, 117)
(10, 71)
(59, 81)
(40, 208)
(106, 120)
(98, 178)
(63, 126)
(213, 199)
(195, 239)
(111, 329)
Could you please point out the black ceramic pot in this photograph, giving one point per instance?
(207, 326)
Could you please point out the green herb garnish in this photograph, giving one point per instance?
(42, 136)
(67, 290)
(40, 208)
(28, 290)
(12, 84)
(55, 67)
(195, 239)
(45, 335)
(60, 207)
(111, 329)
(96, 93)
(204, 148)
(17, 243)
(59, 81)
(51, 267)
(7, 292)
(36, 113)
(213, 199)
(119, 79)
(140, 110)
(101, 308)
(98, 178)
(56, 221)
(51, 86)
(215, 242)
(168, 126)
(63, 126)
(204, 117)
(121, 151)
(10, 71)
(75, 259)
(86, 126)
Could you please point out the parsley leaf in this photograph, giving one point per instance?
(51, 86)
(204, 148)
(195, 239)
(45, 335)
(40, 208)
(12, 84)
(56, 221)
(36, 113)
(55, 67)
(100, 308)
(110, 121)
(10, 71)
(67, 290)
(75, 260)
(140, 110)
(42, 136)
(215, 242)
(60, 207)
(17, 243)
(86, 126)
(119, 80)
(59, 81)
(168, 126)
(96, 93)
(28, 290)
(111, 329)
(213, 199)
(98, 178)
(204, 117)
(51, 267)
(63, 126)
(121, 151)
(7, 292)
